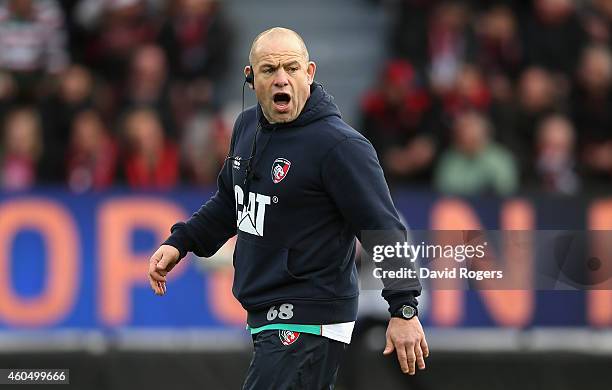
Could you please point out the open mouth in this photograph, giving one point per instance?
(281, 101)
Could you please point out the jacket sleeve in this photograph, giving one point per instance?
(213, 224)
(353, 177)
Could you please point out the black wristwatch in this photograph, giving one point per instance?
(406, 312)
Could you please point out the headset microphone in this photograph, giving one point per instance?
(250, 78)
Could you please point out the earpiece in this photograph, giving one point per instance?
(250, 78)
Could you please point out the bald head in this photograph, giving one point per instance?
(277, 33)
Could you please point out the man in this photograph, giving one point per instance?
(298, 187)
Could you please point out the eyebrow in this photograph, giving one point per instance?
(273, 66)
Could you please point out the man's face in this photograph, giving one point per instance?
(282, 77)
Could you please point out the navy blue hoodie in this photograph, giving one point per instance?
(311, 186)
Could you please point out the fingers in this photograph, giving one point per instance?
(154, 286)
(403, 359)
(163, 263)
(157, 266)
(168, 259)
(420, 360)
(389, 347)
(410, 354)
(411, 359)
(157, 277)
(159, 288)
(424, 347)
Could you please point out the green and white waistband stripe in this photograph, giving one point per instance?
(312, 329)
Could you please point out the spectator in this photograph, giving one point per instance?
(75, 93)
(409, 31)
(451, 44)
(399, 118)
(592, 113)
(469, 91)
(204, 145)
(148, 86)
(23, 146)
(8, 92)
(32, 43)
(500, 52)
(116, 28)
(597, 21)
(501, 57)
(150, 161)
(195, 38)
(537, 97)
(92, 156)
(555, 164)
(553, 36)
(474, 164)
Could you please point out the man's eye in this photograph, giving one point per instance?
(267, 70)
(293, 69)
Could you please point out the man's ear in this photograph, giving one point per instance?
(249, 76)
(311, 70)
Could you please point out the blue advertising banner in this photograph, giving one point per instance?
(80, 261)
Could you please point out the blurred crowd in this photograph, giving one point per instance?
(496, 97)
(478, 96)
(95, 93)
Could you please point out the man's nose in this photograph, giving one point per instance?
(281, 78)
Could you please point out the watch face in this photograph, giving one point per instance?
(408, 312)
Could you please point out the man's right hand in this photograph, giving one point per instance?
(162, 262)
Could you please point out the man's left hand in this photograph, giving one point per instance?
(407, 338)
